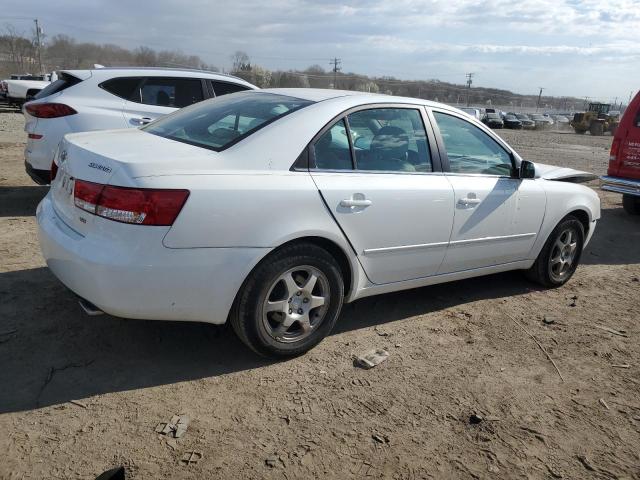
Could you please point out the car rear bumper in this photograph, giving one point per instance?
(135, 276)
(625, 186)
(41, 177)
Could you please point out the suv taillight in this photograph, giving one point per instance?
(49, 110)
(615, 149)
(141, 206)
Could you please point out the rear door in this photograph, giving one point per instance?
(497, 217)
(379, 174)
(154, 97)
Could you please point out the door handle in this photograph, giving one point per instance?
(141, 120)
(468, 202)
(356, 202)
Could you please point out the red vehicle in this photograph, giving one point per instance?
(623, 175)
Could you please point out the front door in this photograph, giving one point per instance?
(497, 217)
(374, 170)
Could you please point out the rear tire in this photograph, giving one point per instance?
(289, 302)
(560, 255)
(596, 129)
(631, 204)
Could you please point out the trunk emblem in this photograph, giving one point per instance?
(97, 166)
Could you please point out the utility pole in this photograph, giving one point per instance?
(539, 97)
(336, 68)
(469, 82)
(38, 45)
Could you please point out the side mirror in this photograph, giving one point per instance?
(527, 170)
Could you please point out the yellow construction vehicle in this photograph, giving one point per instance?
(596, 120)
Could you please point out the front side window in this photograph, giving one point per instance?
(219, 123)
(469, 149)
(171, 92)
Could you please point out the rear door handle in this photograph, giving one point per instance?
(357, 200)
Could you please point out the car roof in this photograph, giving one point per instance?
(322, 94)
(108, 72)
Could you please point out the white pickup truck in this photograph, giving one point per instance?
(21, 88)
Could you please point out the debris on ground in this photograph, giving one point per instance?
(380, 332)
(604, 404)
(380, 438)
(548, 320)
(371, 358)
(585, 462)
(117, 473)
(191, 457)
(621, 365)
(475, 419)
(78, 403)
(621, 333)
(175, 428)
(271, 461)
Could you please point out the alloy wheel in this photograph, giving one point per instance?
(296, 304)
(563, 254)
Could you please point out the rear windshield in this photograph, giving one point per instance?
(64, 81)
(221, 122)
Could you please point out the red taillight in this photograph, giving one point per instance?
(49, 110)
(141, 206)
(615, 148)
(54, 171)
(34, 136)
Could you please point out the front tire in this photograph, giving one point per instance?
(631, 204)
(559, 258)
(290, 301)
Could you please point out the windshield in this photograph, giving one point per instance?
(221, 122)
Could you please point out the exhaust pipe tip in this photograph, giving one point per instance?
(89, 308)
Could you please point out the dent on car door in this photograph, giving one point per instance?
(497, 217)
(155, 97)
(378, 182)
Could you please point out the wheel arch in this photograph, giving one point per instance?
(348, 264)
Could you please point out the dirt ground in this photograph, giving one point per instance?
(82, 394)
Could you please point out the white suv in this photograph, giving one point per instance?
(110, 98)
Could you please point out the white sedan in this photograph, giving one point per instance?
(271, 208)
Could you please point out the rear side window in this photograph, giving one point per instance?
(63, 82)
(220, 123)
(223, 88)
(171, 92)
(123, 87)
(332, 151)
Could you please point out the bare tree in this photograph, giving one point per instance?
(240, 61)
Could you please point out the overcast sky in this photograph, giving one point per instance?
(569, 47)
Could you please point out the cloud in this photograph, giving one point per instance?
(404, 38)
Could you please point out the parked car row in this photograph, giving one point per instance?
(499, 119)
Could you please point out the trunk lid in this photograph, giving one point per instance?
(117, 157)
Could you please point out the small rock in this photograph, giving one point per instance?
(475, 419)
(548, 320)
(271, 461)
(493, 469)
(635, 279)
